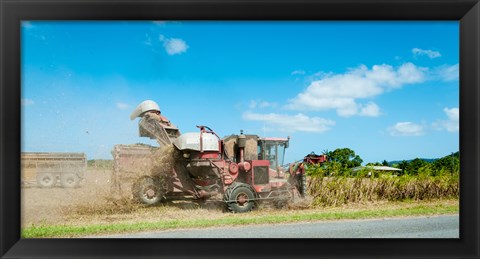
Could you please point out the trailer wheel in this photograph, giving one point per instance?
(147, 191)
(46, 180)
(240, 198)
(69, 180)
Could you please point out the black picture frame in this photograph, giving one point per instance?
(467, 12)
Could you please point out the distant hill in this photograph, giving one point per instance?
(429, 160)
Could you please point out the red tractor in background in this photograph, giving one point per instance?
(238, 170)
(297, 170)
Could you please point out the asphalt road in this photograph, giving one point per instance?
(414, 227)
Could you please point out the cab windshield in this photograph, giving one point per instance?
(273, 151)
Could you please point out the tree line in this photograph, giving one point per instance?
(341, 161)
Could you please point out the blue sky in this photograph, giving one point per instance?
(387, 90)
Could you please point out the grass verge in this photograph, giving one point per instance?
(397, 209)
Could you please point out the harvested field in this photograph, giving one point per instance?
(50, 205)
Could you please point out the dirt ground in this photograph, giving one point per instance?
(51, 205)
(94, 202)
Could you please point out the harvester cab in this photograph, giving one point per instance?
(273, 149)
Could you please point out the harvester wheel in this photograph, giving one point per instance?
(147, 191)
(69, 180)
(240, 198)
(46, 180)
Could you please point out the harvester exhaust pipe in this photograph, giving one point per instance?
(242, 142)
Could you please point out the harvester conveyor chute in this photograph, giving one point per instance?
(154, 129)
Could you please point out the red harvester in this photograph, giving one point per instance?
(238, 170)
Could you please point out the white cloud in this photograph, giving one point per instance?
(406, 129)
(452, 124)
(148, 40)
(453, 114)
(370, 110)
(27, 102)
(27, 25)
(340, 91)
(426, 52)
(447, 73)
(266, 104)
(122, 106)
(291, 123)
(408, 73)
(261, 104)
(173, 46)
(298, 72)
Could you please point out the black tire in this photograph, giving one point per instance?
(69, 180)
(240, 198)
(46, 180)
(147, 191)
